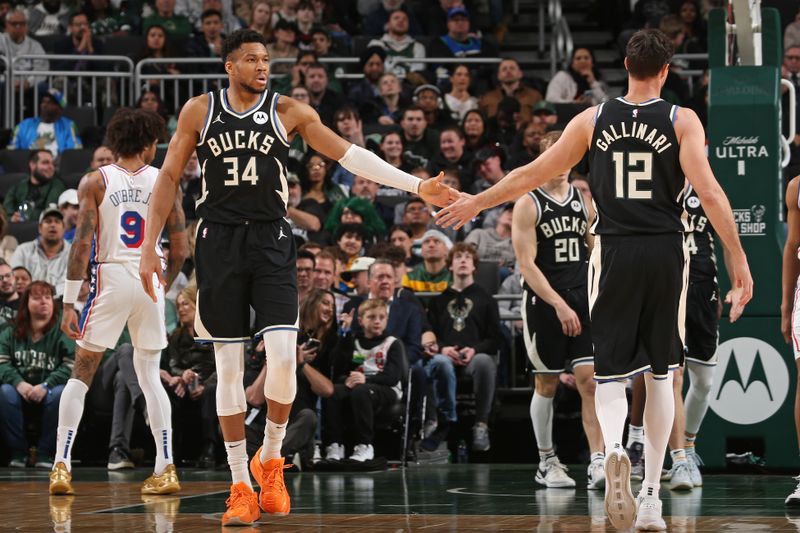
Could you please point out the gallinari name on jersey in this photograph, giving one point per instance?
(635, 130)
(563, 224)
(240, 140)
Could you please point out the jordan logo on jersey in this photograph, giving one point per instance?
(547, 208)
(218, 119)
(281, 235)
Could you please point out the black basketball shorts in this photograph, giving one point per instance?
(549, 350)
(702, 322)
(637, 303)
(242, 266)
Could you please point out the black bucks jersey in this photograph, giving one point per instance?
(242, 159)
(699, 240)
(635, 175)
(561, 239)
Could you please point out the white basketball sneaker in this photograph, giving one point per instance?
(619, 502)
(553, 474)
(648, 514)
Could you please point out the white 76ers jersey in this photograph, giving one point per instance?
(121, 216)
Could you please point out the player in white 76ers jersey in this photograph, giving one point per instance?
(110, 232)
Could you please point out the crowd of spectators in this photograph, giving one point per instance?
(389, 302)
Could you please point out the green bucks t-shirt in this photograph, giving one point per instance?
(48, 360)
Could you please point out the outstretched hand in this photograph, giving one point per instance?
(459, 212)
(437, 193)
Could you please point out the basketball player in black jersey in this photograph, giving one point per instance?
(245, 254)
(555, 313)
(640, 147)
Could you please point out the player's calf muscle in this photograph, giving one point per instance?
(85, 366)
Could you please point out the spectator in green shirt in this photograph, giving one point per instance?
(28, 198)
(432, 275)
(35, 363)
(175, 25)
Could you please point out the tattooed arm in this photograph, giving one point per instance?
(90, 194)
(176, 229)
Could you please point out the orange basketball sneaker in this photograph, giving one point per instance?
(242, 506)
(274, 497)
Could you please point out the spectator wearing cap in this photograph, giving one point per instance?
(459, 41)
(432, 275)
(399, 44)
(103, 156)
(510, 84)
(453, 155)
(545, 113)
(355, 210)
(164, 16)
(68, 205)
(420, 142)
(28, 198)
(305, 216)
(505, 124)
(376, 21)
(357, 276)
(46, 256)
(488, 168)
(366, 90)
(579, 83)
(429, 98)
(208, 42)
(283, 47)
(15, 42)
(50, 130)
(322, 98)
(528, 149)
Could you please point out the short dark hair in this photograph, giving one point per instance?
(414, 200)
(454, 128)
(131, 131)
(305, 254)
(400, 227)
(316, 65)
(77, 14)
(346, 111)
(236, 39)
(413, 107)
(357, 229)
(210, 13)
(33, 156)
(647, 53)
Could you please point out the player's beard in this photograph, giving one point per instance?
(252, 90)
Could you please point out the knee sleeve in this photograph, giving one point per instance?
(230, 378)
(280, 384)
(701, 378)
(147, 368)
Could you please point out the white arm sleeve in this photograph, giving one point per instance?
(362, 162)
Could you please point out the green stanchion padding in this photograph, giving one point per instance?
(753, 392)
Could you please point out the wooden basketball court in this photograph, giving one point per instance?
(424, 498)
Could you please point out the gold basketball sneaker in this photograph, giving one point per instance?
(165, 483)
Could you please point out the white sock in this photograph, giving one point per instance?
(635, 434)
(237, 460)
(273, 440)
(611, 406)
(659, 414)
(650, 490)
(701, 379)
(597, 456)
(70, 410)
(542, 418)
(163, 439)
(159, 410)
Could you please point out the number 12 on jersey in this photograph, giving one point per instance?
(639, 167)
